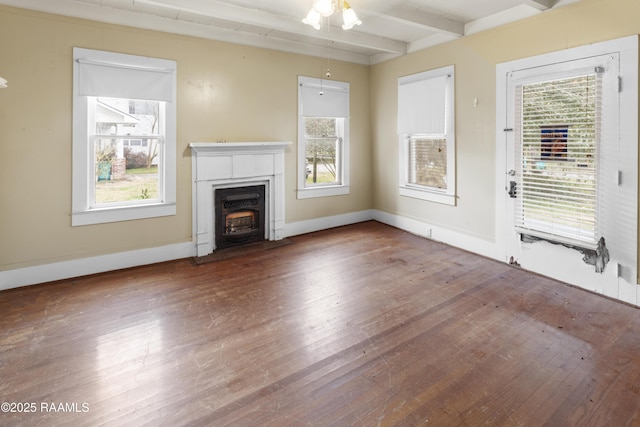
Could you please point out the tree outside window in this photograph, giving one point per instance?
(322, 141)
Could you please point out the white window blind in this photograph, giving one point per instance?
(422, 105)
(124, 76)
(324, 98)
(557, 135)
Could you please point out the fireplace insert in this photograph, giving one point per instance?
(239, 215)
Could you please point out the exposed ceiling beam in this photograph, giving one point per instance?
(280, 28)
(427, 20)
(84, 10)
(269, 21)
(516, 13)
(541, 4)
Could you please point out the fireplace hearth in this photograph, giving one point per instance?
(239, 215)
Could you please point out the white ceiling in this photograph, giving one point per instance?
(390, 28)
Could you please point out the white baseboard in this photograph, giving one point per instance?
(460, 240)
(454, 238)
(317, 224)
(84, 266)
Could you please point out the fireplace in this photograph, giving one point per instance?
(239, 215)
(218, 167)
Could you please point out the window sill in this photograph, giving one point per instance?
(125, 213)
(428, 195)
(309, 193)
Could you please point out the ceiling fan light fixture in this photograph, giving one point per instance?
(313, 19)
(349, 17)
(325, 8)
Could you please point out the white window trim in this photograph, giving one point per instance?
(341, 189)
(448, 196)
(82, 213)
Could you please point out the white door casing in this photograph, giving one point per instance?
(618, 180)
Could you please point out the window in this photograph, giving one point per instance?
(323, 138)
(124, 137)
(426, 133)
(558, 131)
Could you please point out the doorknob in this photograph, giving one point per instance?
(512, 189)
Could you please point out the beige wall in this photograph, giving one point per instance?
(475, 58)
(225, 92)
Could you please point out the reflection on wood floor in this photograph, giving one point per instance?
(360, 325)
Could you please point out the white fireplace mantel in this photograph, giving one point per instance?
(218, 165)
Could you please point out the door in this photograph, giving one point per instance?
(564, 190)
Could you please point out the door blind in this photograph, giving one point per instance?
(557, 135)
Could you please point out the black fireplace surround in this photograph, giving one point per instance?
(239, 215)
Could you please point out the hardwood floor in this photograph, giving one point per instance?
(362, 325)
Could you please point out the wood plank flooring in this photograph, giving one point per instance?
(362, 325)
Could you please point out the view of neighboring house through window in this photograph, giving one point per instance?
(323, 137)
(124, 137)
(426, 134)
(126, 148)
